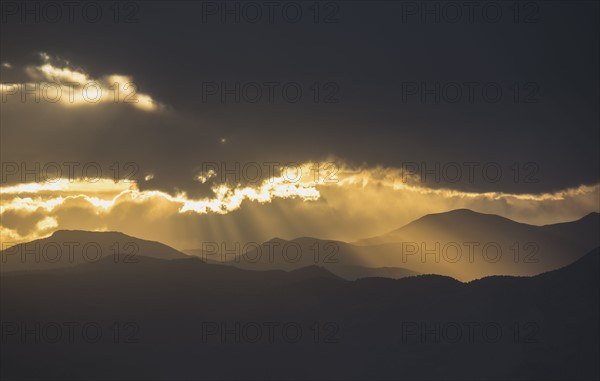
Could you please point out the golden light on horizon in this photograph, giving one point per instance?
(351, 193)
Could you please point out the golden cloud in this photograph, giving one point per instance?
(350, 204)
(58, 82)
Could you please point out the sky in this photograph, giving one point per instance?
(193, 121)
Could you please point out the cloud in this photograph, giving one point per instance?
(56, 81)
(171, 145)
(353, 203)
(171, 186)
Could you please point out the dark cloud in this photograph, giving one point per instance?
(362, 63)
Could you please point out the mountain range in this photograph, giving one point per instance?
(462, 244)
(112, 306)
(187, 319)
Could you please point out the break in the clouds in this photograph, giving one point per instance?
(350, 204)
(159, 160)
(154, 165)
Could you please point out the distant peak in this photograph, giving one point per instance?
(304, 238)
(70, 232)
(275, 239)
(461, 213)
(462, 210)
(64, 232)
(465, 212)
(589, 217)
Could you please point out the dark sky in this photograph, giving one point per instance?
(368, 64)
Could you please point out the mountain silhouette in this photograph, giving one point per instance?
(186, 319)
(462, 244)
(358, 272)
(468, 245)
(464, 222)
(342, 259)
(72, 247)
